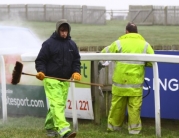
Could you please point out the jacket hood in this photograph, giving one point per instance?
(60, 22)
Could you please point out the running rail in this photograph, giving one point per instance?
(3, 89)
(131, 57)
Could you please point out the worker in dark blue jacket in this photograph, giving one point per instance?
(59, 57)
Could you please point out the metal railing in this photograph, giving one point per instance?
(3, 89)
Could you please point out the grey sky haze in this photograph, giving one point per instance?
(109, 4)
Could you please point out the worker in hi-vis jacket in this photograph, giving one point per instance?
(127, 81)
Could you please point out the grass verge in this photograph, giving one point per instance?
(103, 35)
(33, 127)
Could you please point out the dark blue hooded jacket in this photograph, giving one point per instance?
(58, 57)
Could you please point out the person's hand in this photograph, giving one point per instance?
(40, 75)
(100, 66)
(76, 76)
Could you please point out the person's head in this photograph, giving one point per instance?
(131, 28)
(63, 28)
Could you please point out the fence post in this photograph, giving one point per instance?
(165, 12)
(63, 12)
(74, 112)
(3, 89)
(84, 14)
(157, 100)
(26, 12)
(8, 7)
(95, 92)
(45, 13)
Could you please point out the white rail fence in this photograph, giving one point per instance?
(3, 89)
(122, 57)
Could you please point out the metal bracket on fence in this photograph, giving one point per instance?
(3, 89)
(101, 92)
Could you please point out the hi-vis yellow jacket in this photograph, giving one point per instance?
(128, 76)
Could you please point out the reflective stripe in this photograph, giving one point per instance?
(132, 128)
(107, 49)
(133, 62)
(145, 47)
(128, 62)
(134, 131)
(135, 126)
(128, 85)
(113, 128)
(110, 127)
(118, 45)
(63, 130)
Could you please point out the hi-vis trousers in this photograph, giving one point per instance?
(118, 110)
(56, 91)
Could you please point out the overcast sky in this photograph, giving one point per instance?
(109, 4)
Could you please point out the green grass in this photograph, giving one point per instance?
(32, 127)
(103, 35)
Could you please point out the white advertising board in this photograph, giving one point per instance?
(83, 102)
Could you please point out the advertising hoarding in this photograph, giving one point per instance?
(169, 89)
(28, 96)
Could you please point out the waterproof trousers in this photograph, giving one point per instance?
(118, 111)
(56, 91)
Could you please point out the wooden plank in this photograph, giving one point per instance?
(95, 92)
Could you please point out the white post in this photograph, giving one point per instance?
(157, 100)
(74, 114)
(3, 90)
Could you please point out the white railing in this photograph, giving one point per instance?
(131, 57)
(3, 89)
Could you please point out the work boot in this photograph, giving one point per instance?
(52, 133)
(69, 135)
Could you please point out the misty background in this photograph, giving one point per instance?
(109, 4)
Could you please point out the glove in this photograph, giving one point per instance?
(100, 66)
(40, 75)
(76, 76)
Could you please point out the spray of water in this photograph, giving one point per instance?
(18, 40)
